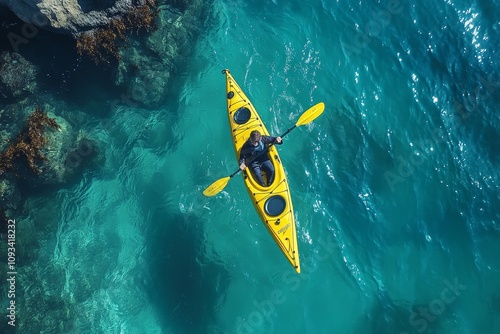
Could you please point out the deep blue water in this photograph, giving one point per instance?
(395, 186)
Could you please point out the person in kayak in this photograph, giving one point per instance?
(252, 150)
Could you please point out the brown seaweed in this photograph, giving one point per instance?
(102, 44)
(28, 143)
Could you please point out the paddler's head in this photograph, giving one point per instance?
(255, 137)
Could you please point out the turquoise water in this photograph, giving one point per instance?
(395, 186)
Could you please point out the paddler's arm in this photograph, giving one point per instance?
(243, 154)
(271, 139)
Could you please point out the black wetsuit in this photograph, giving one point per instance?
(249, 152)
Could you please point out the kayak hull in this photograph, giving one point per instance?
(273, 203)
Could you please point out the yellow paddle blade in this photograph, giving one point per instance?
(311, 114)
(216, 187)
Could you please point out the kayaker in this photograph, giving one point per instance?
(252, 151)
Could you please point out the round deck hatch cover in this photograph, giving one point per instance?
(275, 205)
(242, 115)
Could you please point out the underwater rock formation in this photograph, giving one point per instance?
(10, 196)
(28, 143)
(53, 157)
(103, 43)
(68, 16)
(84, 153)
(53, 170)
(17, 76)
(12, 118)
(113, 30)
(147, 64)
(52, 308)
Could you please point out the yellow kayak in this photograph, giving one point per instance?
(273, 203)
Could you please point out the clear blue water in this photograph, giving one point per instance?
(395, 186)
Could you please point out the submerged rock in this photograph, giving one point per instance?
(68, 153)
(48, 151)
(148, 63)
(85, 153)
(17, 76)
(46, 296)
(10, 197)
(68, 16)
(26, 147)
(11, 121)
(59, 141)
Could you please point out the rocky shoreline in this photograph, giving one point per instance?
(70, 17)
(147, 62)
